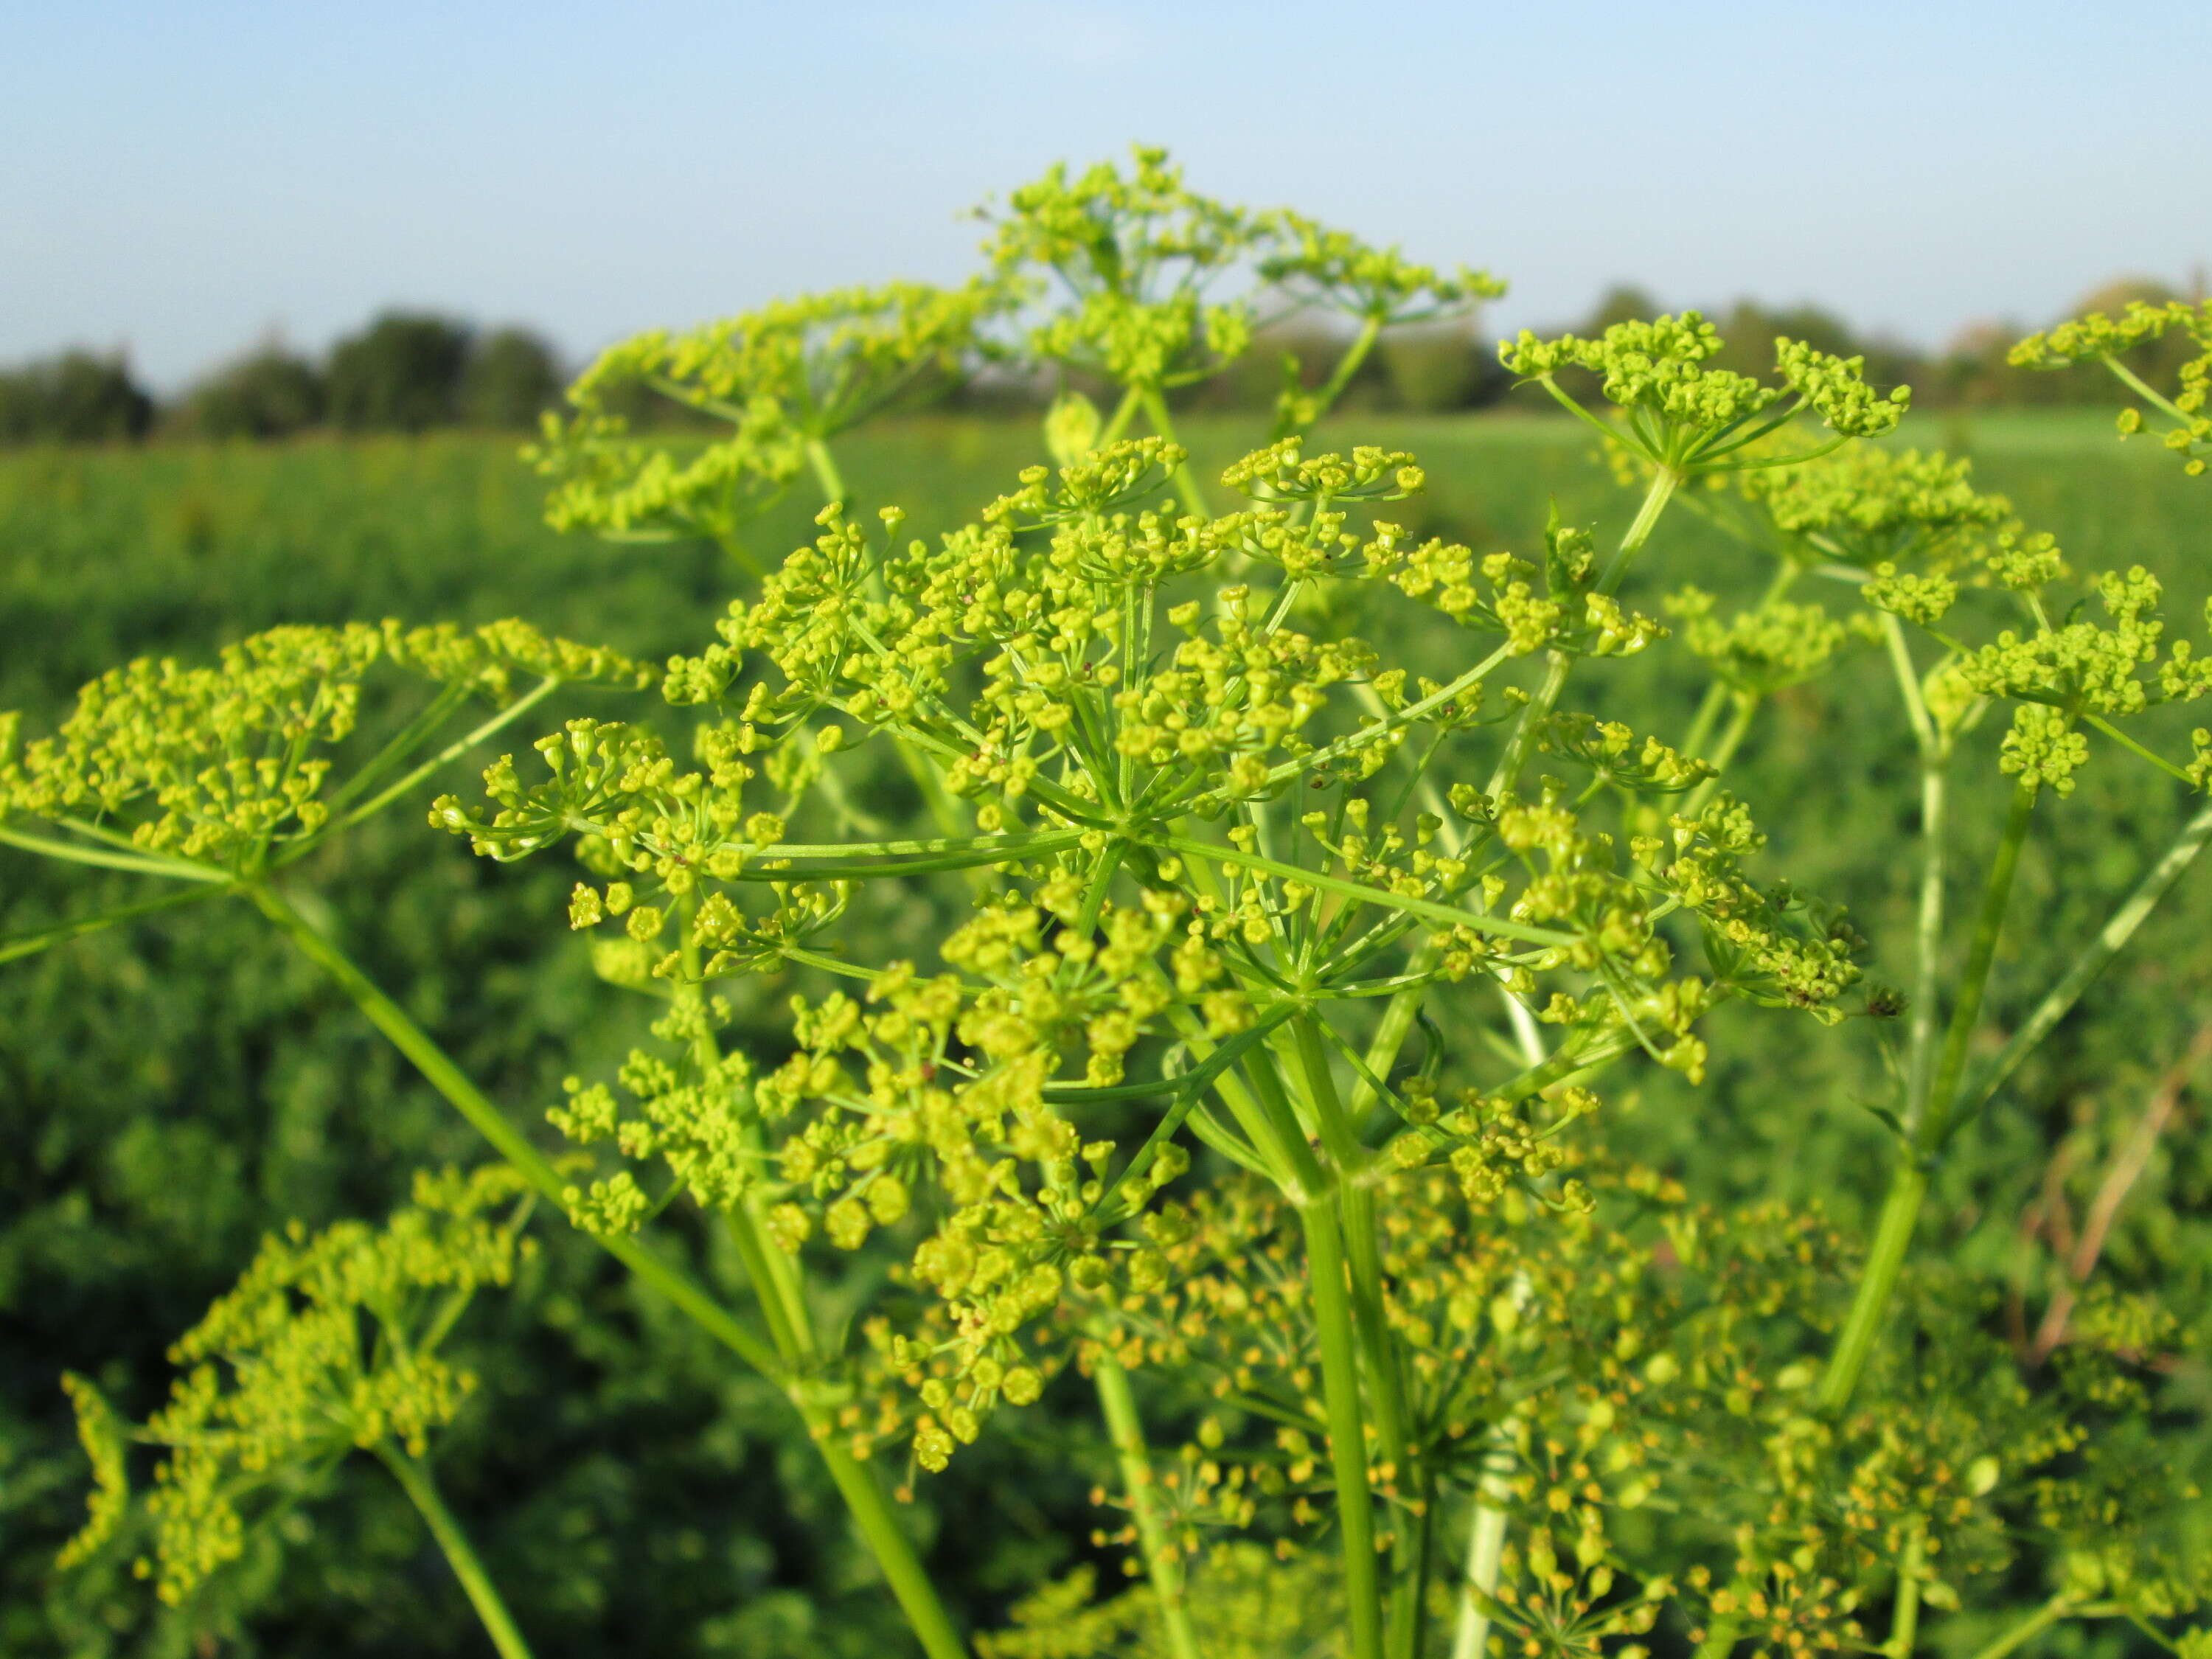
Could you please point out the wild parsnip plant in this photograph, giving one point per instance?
(1313, 924)
(329, 1344)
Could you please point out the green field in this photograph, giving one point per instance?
(148, 1135)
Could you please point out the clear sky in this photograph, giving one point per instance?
(183, 178)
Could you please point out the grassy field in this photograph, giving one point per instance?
(147, 1135)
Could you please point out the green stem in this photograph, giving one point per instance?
(1981, 956)
(460, 747)
(1325, 397)
(1186, 481)
(1900, 1214)
(1416, 1628)
(1362, 1247)
(1692, 745)
(1928, 964)
(403, 742)
(1746, 706)
(1508, 770)
(934, 795)
(414, 1478)
(746, 560)
(1934, 761)
(1118, 422)
(2138, 750)
(2147, 393)
(826, 474)
(69, 852)
(1908, 1189)
(1378, 1355)
(1450, 915)
(871, 1510)
(1904, 1617)
(887, 1542)
(1664, 484)
(449, 1080)
(1485, 1554)
(2057, 1608)
(1390, 721)
(2110, 939)
(1347, 1427)
(30, 944)
(1162, 1563)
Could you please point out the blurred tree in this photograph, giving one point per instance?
(511, 377)
(1750, 329)
(1440, 367)
(403, 373)
(271, 392)
(1622, 302)
(1974, 368)
(76, 398)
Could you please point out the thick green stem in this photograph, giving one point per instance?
(870, 1509)
(1662, 490)
(1118, 422)
(1378, 1354)
(887, 1542)
(1908, 1189)
(1347, 1425)
(1905, 1617)
(1186, 481)
(414, 1479)
(826, 474)
(1935, 761)
(1928, 966)
(1485, 1553)
(1362, 343)
(1363, 1247)
(1692, 745)
(1162, 1562)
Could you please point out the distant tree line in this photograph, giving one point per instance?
(406, 372)
(1455, 367)
(411, 372)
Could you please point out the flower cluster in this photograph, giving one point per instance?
(2100, 338)
(328, 1344)
(1689, 419)
(794, 373)
(218, 765)
(1759, 652)
(1867, 506)
(2059, 674)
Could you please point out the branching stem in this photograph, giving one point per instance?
(414, 1478)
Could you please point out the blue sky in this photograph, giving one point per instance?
(183, 179)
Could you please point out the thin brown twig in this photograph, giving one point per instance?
(2127, 1167)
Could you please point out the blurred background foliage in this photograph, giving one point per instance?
(170, 1092)
(409, 371)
